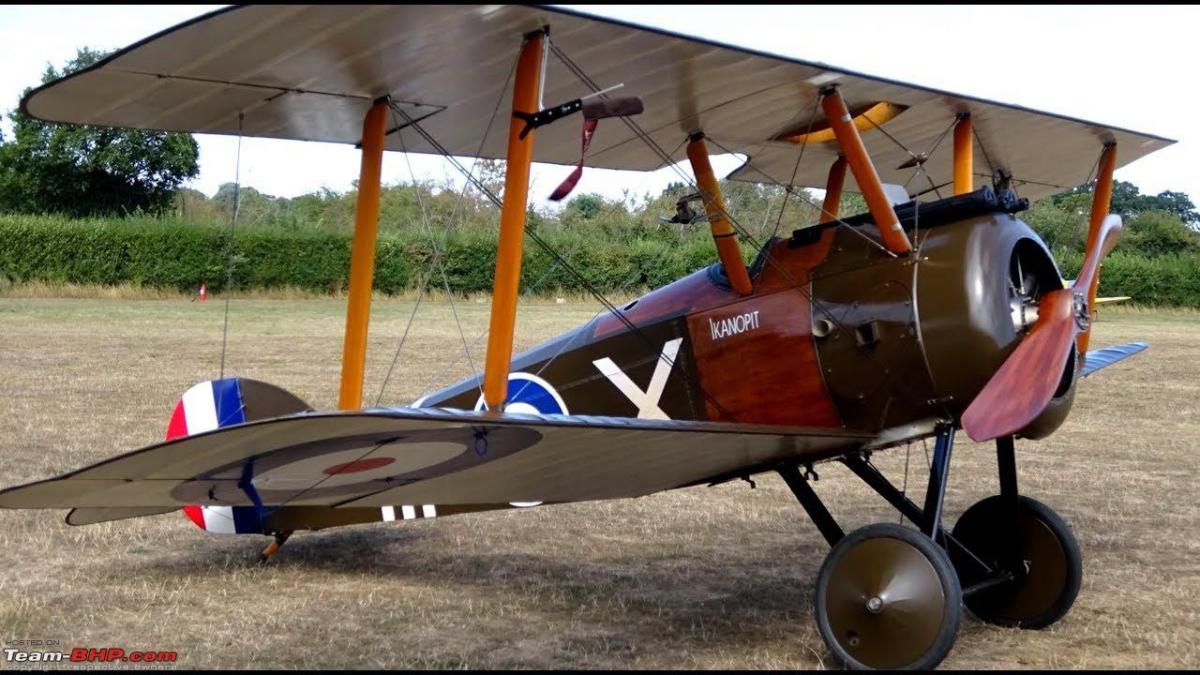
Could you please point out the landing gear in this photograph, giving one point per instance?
(1018, 559)
(1045, 573)
(888, 597)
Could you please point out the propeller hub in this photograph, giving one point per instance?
(1083, 317)
(1024, 312)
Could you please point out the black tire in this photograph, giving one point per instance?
(911, 632)
(1047, 580)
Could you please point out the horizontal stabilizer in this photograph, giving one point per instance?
(387, 456)
(1102, 358)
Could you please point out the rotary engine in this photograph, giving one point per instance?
(905, 339)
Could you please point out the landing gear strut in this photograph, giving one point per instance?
(889, 596)
(1030, 546)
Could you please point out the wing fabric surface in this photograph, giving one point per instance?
(311, 73)
(1103, 358)
(429, 455)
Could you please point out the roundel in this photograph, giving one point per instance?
(528, 393)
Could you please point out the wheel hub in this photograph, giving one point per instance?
(875, 604)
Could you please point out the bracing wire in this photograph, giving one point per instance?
(531, 232)
(526, 291)
(462, 195)
(403, 338)
(436, 260)
(229, 246)
(791, 186)
(767, 257)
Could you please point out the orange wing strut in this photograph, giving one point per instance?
(362, 258)
(964, 179)
(718, 216)
(864, 172)
(1101, 201)
(831, 207)
(526, 98)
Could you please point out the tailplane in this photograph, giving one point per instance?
(208, 406)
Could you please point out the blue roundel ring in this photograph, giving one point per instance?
(529, 393)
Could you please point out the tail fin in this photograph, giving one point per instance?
(210, 405)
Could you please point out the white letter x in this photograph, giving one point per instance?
(646, 401)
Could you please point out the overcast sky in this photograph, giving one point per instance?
(1130, 67)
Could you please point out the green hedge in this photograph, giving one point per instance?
(180, 254)
(1161, 280)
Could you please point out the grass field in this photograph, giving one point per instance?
(698, 578)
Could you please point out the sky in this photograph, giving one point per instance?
(1123, 66)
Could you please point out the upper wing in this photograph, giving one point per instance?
(428, 455)
(311, 72)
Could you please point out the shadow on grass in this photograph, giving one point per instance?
(738, 596)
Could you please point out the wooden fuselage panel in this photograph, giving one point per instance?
(701, 352)
(757, 354)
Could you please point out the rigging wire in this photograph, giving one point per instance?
(403, 338)
(928, 154)
(229, 246)
(791, 186)
(525, 292)
(767, 257)
(820, 209)
(531, 232)
(914, 156)
(436, 259)
(395, 108)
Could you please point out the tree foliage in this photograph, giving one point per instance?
(82, 170)
(1128, 201)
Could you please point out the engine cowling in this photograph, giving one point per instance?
(902, 339)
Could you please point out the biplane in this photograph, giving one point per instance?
(936, 310)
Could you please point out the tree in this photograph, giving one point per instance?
(82, 170)
(1157, 232)
(1128, 201)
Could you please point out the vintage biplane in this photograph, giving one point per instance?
(936, 310)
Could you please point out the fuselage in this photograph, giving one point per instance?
(836, 333)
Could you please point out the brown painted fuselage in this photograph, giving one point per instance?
(836, 333)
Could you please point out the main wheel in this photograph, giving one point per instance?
(888, 597)
(1046, 573)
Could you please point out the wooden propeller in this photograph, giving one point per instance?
(1020, 390)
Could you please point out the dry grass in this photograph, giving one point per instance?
(705, 577)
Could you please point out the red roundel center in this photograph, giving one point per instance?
(361, 465)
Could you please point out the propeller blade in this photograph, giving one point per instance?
(1025, 383)
(1110, 232)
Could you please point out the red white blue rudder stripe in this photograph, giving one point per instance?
(205, 407)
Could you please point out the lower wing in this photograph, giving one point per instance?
(388, 456)
(1102, 358)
